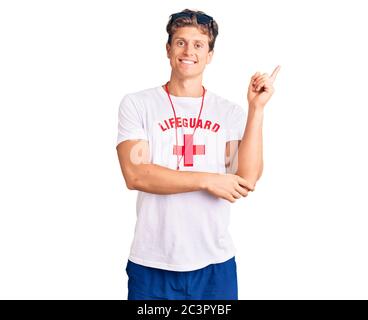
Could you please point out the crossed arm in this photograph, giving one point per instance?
(243, 160)
(140, 174)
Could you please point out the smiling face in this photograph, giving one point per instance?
(188, 52)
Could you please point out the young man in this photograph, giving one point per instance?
(190, 154)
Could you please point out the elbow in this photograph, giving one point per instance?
(134, 183)
(137, 177)
(131, 180)
(252, 184)
(260, 171)
(130, 185)
(259, 175)
(251, 179)
(136, 180)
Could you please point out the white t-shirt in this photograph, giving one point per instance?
(182, 231)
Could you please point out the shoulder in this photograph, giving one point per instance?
(225, 103)
(142, 95)
(138, 101)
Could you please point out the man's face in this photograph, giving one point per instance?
(188, 52)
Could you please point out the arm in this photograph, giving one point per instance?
(250, 155)
(141, 175)
(250, 150)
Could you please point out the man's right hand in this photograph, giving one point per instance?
(226, 185)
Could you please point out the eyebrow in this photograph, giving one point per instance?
(180, 38)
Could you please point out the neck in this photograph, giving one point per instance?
(191, 87)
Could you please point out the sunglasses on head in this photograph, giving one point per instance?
(201, 17)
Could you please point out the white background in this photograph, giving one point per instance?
(67, 219)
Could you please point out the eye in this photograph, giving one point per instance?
(180, 42)
(199, 45)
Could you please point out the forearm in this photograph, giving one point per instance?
(250, 152)
(158, 179)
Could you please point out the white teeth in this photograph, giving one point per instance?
(187, 61)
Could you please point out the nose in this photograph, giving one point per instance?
(189, 49)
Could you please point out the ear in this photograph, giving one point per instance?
(168, 47)
(209, 56)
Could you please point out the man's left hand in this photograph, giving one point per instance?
(261, 88)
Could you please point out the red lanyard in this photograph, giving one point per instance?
(176, 131)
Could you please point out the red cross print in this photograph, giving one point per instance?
(188, 149)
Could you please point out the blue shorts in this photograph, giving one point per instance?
(215, 282)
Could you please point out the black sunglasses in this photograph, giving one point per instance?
(201, 17)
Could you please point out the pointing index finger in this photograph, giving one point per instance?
(274, 73)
